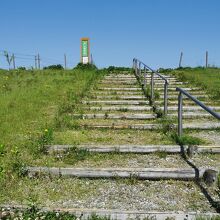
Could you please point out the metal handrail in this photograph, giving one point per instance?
(180, 108)
(137, 67)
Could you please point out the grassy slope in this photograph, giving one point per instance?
(208, 79)
(32, 101)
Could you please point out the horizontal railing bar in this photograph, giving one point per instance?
(206, 108)
(154, 71)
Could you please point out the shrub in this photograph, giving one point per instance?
(87, 66)
(21, 68)
(54, 67)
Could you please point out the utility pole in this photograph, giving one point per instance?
(38, 58)
(35, 60)
(91, 59)
(13, 60)
(65, 61)
(206, 59)
(181, 58)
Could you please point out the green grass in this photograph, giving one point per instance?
(209, 79)
(33, 106)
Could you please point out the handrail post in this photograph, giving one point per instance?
(145, 77)
(139, 70)
(136, 67)
(165, 97)
(180, 114)
(152, 88)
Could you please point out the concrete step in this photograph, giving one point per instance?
(121, 89)
(148, 108)
(116, 102)
(122, 97)
(190, 115)
(131, 81)
(192, 108)
(143, 174)
(176, 96)
(118, 93)
(121, 214)
(131, 148)
(191, 126)
(186, 89)
(115, 116)
(185, 102)
(121, 108)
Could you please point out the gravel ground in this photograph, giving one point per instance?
(117, 160)
(108, 194)
(212, 137)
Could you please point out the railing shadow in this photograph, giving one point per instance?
(213, 203)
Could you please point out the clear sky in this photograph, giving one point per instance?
(155, 31)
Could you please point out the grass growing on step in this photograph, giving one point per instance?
(187, 140)
(170, 131)
(74, 154)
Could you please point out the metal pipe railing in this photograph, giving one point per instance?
(137, 63)
(180, 108)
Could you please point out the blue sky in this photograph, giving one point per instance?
(155, 31)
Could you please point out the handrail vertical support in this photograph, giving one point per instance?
(136, 67)
(165, 98)
(139, 70)
(145, 78)
(180, 114)
(152, 88)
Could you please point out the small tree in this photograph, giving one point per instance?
(8, 59)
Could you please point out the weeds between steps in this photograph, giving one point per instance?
(168, 128)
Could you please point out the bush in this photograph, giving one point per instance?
(87, 66)
(116, 68)
(54, 67)
(21, 68)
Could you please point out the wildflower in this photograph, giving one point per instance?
(46, 130)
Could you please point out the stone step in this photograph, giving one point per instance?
(116, 102)
(185, 102)
(190, 115)
(120, 89)
(131, 148)
(157, 84)
(191, 126)
(173, 92)
(192, 108)
(115, 116)
(131, 81)
(147, 108)
(142, 97)
(118, 93)
(186, 89)
(143, 173)
(86, 213)
(133, 76)
(120, 108)
(122, 97)
(184, 97)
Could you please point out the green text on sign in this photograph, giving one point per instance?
(85, 48)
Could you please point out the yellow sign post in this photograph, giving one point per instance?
(85, 50)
